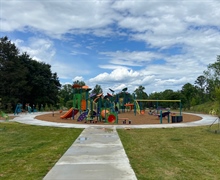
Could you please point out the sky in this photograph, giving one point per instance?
(156, 44)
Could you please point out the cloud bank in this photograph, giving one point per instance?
(157, 44)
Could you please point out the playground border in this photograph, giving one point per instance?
(30, 119)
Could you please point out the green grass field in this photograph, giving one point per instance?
(29, 152)
(179, 153)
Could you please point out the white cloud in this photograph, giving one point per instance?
(78, 78)
(40, 49)
(108, 66)
(71, 16)
(74, 52)
(183, 35)
(117, 75)
(121, 78)
(135, 58)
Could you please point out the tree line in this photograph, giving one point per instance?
(27, 81)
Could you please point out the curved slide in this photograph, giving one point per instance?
(69, 113)
(137, 107)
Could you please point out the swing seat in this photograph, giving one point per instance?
(164, 114)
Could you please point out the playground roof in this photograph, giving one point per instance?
(76, 86)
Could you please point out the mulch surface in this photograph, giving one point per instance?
(138, 119)
(10, 118)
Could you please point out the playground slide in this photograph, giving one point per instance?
(137, 107)
(69, 113)
(82, 116)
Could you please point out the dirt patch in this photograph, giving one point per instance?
(135, 119)
(9, 118)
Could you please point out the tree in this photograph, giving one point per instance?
(168, 94)
(212, 75)
(81, 83)
(154, 96)
(97, 89)
(189, 91)
(201, 82)
(24, 80)
(200, 85)
(140, 94)
(43, 85)
(12, 73)
(217, 95)
(65, 94)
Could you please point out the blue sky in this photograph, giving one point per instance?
(125, 43)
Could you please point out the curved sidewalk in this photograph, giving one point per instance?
(30, 119)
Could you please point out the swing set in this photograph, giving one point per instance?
(138, 110)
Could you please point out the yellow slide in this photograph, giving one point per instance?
(137, 107)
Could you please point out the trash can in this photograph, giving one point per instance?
(173, 119)
(179, 118)
(176, 119)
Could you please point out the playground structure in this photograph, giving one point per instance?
(80, 103)
(159, 113)
(90, 106)
(97, 107)
(212, 112)
(124, 101)
(4, 115)
(28, 108)
(18, 109)
(128, 116)
(69, 113)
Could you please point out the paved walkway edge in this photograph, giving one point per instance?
(30, 119)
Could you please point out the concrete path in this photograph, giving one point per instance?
(98, 154)
(29, 119)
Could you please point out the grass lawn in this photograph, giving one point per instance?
(29, 152)
(178, 153)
